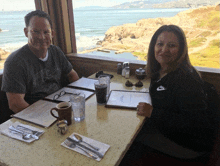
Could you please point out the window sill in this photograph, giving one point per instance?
(102, 58)
(92, 57)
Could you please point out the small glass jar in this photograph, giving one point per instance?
(140, 73)
(62, 126)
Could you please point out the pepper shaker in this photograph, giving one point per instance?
(119, 68)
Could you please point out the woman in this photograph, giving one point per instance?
(180, 123)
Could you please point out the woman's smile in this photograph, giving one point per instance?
(166, 48)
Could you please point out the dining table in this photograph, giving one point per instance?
(116, 127)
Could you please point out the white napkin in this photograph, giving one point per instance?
(102, 146)
(7, 132)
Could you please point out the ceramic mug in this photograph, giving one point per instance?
(64, 110)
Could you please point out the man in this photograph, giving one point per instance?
(35, 70)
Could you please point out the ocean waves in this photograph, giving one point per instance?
(90, 26)
(4, 30)
(85, 42)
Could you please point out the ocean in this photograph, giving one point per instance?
(90, 25)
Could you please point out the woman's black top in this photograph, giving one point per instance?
(181, 111)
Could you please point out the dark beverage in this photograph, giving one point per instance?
(64, 107)
(64, 110)
(101, 92)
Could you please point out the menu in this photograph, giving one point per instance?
(64, 94)
(84, 83)
(38, 113)
(127, 99)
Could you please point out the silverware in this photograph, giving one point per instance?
(85, 147)
(24, 136)
(80, 139)
(37, 133)
(72, 145)
(22, 132)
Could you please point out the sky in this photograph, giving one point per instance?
(7, 5)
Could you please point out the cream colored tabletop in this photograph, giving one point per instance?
(112, 126)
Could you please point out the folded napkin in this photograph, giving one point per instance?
(102, 146)
(8, 133)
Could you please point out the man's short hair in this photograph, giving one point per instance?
(38, 13)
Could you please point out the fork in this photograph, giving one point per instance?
(37, 133)
(72, 145)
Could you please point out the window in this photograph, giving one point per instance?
(12, 24)
(127, 35)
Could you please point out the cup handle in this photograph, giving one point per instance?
(51, 112)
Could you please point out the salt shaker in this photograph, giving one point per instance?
(127, 72)
(123, 72)
(125, 64)
(119, 68)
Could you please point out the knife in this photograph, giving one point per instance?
(15, 129)
(85, 147)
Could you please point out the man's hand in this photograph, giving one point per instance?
(72, 76)
(16, 102)
(144, 109)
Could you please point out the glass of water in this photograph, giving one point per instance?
(78, 106)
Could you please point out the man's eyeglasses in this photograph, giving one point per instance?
(62, 93)
(130, 84)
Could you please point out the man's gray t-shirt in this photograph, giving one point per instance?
(26, 74)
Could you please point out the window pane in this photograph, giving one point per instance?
(127, 32)
(12, 25)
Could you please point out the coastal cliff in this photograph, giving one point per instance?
(201, 27)
(141, 4)
(3, 55)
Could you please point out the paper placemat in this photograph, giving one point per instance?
(103, 148)
(84, 83)
(7, 132)
(127, 99)
(38, 113)
(68, 92)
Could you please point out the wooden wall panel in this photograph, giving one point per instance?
(85, 66)
(61, 13)
(72, 26)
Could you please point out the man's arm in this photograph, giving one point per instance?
(72, 76)
(16, 102)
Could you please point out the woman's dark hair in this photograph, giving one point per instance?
(153, 66)
(38, 13)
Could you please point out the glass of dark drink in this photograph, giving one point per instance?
(101, 92)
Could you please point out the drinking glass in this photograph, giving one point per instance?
(78, 106)
(105, 80)
(101, 92)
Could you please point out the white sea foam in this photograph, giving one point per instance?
(10, 47)
(4, 30)
(85, 42)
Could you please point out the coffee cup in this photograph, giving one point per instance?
(64, 110)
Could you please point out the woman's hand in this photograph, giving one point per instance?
(144, 109)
